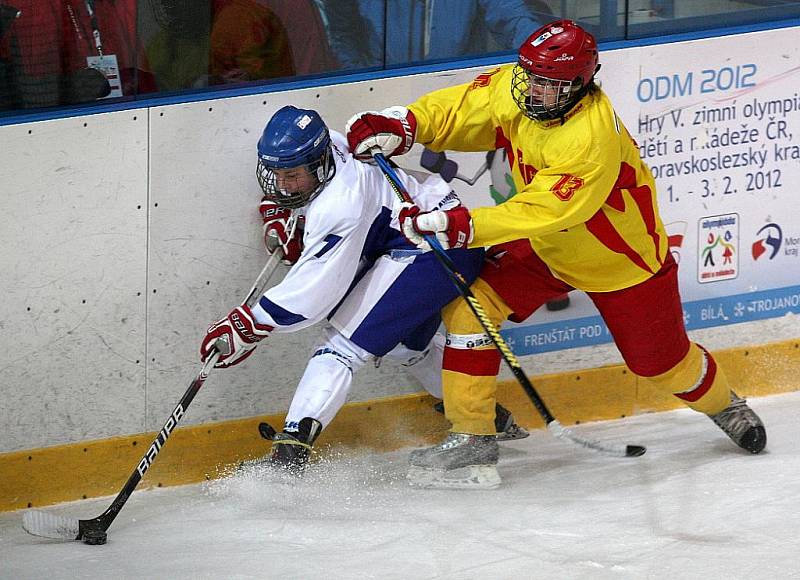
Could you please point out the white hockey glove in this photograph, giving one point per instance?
(453, 227)
(235, 336)
(391, 131)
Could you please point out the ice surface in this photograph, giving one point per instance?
(694, 506)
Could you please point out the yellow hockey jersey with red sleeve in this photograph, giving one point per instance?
(585, 199)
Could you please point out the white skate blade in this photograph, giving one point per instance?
(469, 477)
(513, 433)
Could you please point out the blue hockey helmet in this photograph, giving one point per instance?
(295, 161)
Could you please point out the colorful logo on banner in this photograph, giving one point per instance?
(718, 242)
(768, 241)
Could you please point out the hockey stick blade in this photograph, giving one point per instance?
(621, 450)
(47, 525)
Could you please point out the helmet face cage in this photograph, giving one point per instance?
(298, 190)
(541, 98)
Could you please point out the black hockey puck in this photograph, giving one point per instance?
(94, 537)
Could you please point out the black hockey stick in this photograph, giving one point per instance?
(93, 531)
(511, 360)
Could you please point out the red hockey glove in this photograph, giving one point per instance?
(453, 228)
(391, 131)
(235, 336)
(276, 234)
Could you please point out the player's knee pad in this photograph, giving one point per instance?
(471, 362)
(469, 349)
(343, 349)
(469, 381)
(411, 358)
(326, 382)
(472, 354)
(696, 380)
(425, 365)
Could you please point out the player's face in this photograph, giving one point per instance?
(543, 93)
(295, 180)
(541, 98)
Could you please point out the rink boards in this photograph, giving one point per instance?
(211, 450)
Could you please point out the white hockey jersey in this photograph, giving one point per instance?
(350, 224)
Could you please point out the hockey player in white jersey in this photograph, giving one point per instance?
(380, 295)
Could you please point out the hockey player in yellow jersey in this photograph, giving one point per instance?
(585, 216)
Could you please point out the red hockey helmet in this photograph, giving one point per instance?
(555, 64)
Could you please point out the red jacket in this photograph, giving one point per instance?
(56, 36)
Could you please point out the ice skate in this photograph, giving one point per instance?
(462, 461)
(291, 450)
(742, 425)
(507, 428)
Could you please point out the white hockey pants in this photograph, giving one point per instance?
(326, 382)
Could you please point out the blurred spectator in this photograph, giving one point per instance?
(418, 30)
(248, 43)
(308, 36)
(204, 43)
(74, 51)
(355, 31)
(541, 12)
(178, 51)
